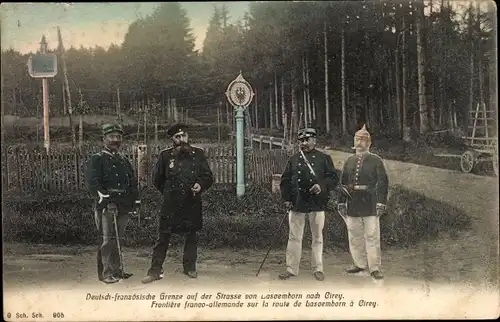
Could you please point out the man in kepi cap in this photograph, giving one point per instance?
(365, 178)
(305, 186)
(181, 175)
(112, 182)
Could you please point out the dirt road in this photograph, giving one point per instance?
(462, 267)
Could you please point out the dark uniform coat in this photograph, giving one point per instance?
(297, 179)
(112, 174)
(365, 178)
(175, 173)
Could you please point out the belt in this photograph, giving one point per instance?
(118, 192)
(360, 187)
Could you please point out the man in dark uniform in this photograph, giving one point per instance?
(182, 175)
(112, 182)
(365, 177)
(305, 186)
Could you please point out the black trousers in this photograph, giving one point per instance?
(161, 247)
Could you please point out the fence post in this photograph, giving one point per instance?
(261, 138)
(80, 134)
(275, 184)
(142, 165)
(271, 142)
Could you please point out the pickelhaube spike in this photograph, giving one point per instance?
(363, 132)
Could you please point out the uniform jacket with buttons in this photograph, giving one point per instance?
(112, 174)
(174, 175)
(365, 178)
(297, 179)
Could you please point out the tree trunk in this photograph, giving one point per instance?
(471, 57)
(14, 102)
(304, 92)
(493, 86)
(308, 92)
(295, 119)
(422, 101)
(480, 55)
(256, 110)
(327, 103)
(2, 106)
(397, 75)
(405, 116)
(276, 103)
(388, 80)
(344, 109)
(271, 111)
(283, 109)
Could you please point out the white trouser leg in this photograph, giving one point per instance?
(296, 221)
(372, 242)
(317, 222)
(355, 230)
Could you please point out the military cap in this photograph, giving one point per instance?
(306, 133)
(363, 133)
(108, 128)
(176, 129)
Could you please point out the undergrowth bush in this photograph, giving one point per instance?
(249, 222)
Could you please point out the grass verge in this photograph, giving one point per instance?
(249, 222)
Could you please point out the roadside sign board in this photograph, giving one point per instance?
(42, 65)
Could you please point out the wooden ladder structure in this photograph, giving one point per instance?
(481, 139)
(481, 127)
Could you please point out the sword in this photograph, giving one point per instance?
(101, 196)
(343, 217)
(345, 191)
(272, 242)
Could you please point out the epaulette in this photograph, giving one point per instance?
(96, 154)
(198, 147)
(166, 149)
(375, 155)
(104, 151)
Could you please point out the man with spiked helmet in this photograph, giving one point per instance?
(182, 174)
(365, 178)
(305, 186)
(112, 182)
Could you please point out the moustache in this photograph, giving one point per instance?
(184, 147)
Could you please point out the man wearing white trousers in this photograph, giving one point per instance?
(305, 185)
(365, 178)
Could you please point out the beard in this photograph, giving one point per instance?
(184, 147)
